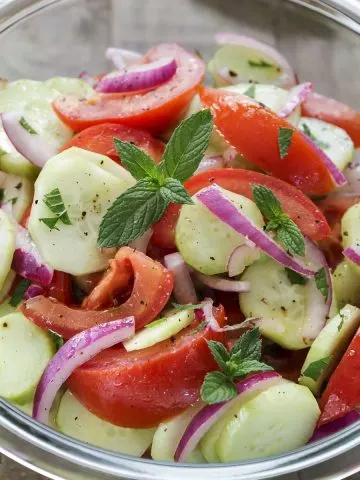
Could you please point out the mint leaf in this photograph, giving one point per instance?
(341, 323)
(217, 388)
(132, 214)
(260, 64)
(187, 146)
(294, 277)
(53, 200)
(220, 353)
(57, 339)
(135, 160)
(187, 306)
(321, 283)
(19, 291)
(309, 134)
(248, 346)
(289, 234)
(251, 366)
(27, 127)
(250, 92)
(198, 329)
(284, 141)
(173, 191)
(317, 368)
(266, 202)
(155, 323)
(50, 222)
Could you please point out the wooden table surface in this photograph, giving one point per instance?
(71, 39)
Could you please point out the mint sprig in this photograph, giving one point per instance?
(242, 359)
(321, 283)
(139, 207)
(317, 368)
(284, 140)
(54, 201)
(287, 232)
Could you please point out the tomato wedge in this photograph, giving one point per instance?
(254, 131)
(152, 287)
(342, 393)
(332, 111)
(142, 388)
(303, 211)
(100, 139)
(153, 111)
(60, 287)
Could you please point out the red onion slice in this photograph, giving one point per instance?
(184, 290)
(33, 291)
(209, 415)
(209, 162)
(33, 147)
(297, 96)
(223, 284)
(206, 314)
(142, 242)
(77, 351)
(353, 254)
(240, 258)
(335, 426)
(220, 206)
(139, 77)
(122, 58)
(317, 309)
(288, 78)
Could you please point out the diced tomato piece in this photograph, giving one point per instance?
(60, 287)
(153, 111)
(142, 388)
(303, 211)
(332, 111)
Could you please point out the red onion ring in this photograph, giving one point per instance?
(184, 290)
(33, 291)
(209, 415)
(297, 96)
(77, 351)
(236, 261)
(209, 162)
(353, 254)
(223, 284)
(33, 147)
(139, 78)
(122, 58)
(221, 207)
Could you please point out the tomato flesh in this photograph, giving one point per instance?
(153, 111)
(303, 211)
(152, 287)
(142, 388)
(332, 111)
(342, 393)
(100, 139)
(254, 131)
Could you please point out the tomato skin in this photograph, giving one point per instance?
(60, 287)
(302, 210)
(254, 131)
(100, 139)
(342, 393)
(153, 285)
(332, 111)
(153, 111)
(140, 389)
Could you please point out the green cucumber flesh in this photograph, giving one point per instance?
(350, 231)
(19, 191)
(7, 246)
(346, 283)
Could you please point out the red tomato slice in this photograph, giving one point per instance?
(342, 393)
(332, 111)
(254, 131)
(140, 389)
(302, 210)
(153, 285)
(60, 287)
(100, 139)
(154, 111)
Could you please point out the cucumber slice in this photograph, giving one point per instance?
(350, 231)
(19, 191)
(25, 350)
(69, 86)
(169, 433)
(160, 330)
(278, 420)
(4, 292)
(7, 246)
(204, 241)
(346, 283)
(331, 341)
(6, 308)
(75, 420)
(334, 141)
(208, 442)
(89, 183)
(278, 301)
(11, 161)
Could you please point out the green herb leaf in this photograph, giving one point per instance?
(321, 283)
(251, 91)
(260, 64)
(266, 202)
(3, 152)
(294, 277)
(50, 222)
(198, 329)
(53, 200)
(57, 339)
(217, 388)
(27, 127)
(284, 141)
(220, 353)
(173, 191)
(2, 194)
(19, 291)
(341, 323)
(157, 322)
(309, 134)
(187, 146)
(135, 160)
(251, 366)
(289, 234)
(132, 214)
(248, 346)
(187, 306)
(199, 54)
(317, 368)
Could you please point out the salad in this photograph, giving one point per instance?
(180, 273)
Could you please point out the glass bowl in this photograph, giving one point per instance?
(39, 39)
